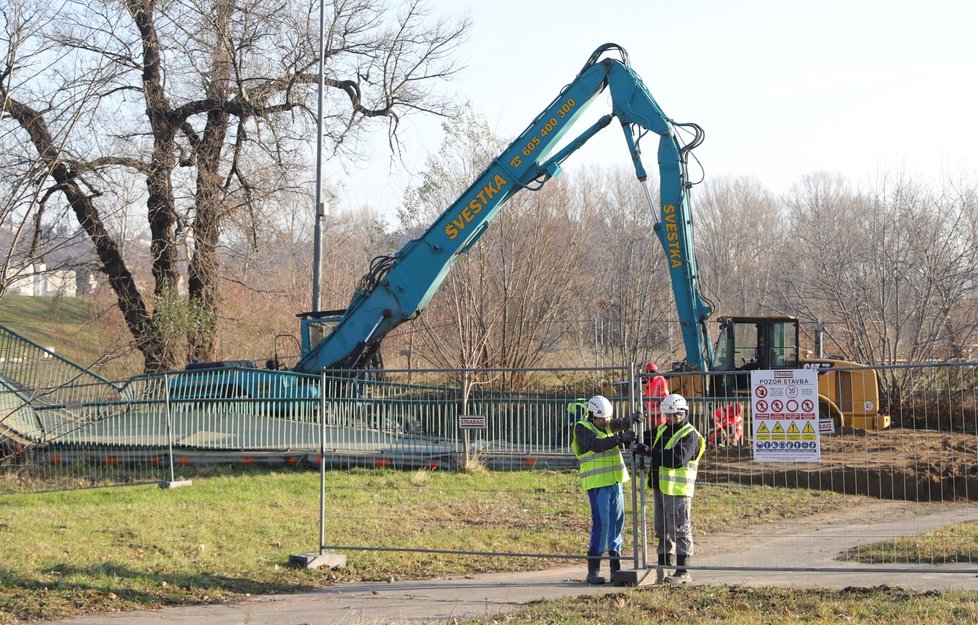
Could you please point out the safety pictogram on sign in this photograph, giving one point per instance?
(763, 433)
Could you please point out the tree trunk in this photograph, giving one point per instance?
(120, 279)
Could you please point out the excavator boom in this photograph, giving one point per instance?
(399, 287)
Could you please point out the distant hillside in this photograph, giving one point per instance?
(63, 324)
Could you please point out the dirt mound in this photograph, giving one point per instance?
(898, 463)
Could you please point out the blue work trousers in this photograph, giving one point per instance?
(607, 518)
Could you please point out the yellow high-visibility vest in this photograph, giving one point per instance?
(599, 468)
(681, 481)
(576, 410)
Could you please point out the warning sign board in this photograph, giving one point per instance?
(785, 417)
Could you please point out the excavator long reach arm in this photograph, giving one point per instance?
(399, 287)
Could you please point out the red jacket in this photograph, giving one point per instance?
(653, 389)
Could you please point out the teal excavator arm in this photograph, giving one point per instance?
(399, 287)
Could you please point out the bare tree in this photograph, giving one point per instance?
(739, 241)
(503, 304)
(31, 240)
(267, 285)
(623, 284)
(536, 262)
(209, 105)
(452, 331)
(823, 254)
(891, 272)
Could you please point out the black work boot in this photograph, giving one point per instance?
(593, 566)
(614, 563)
(665, 559)
(681, 576)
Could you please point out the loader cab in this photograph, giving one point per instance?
(749, 343)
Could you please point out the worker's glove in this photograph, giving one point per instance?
(635, 418)
(626, 437)
(641, 449)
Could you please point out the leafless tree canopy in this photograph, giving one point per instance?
(891, 271)
(739, 236)
(200, 116)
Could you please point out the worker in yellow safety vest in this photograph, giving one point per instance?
(674, 451)
(597, 443)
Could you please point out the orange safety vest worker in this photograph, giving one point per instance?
(654, 389)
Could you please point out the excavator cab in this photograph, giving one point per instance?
(749, 343)
(317, 326)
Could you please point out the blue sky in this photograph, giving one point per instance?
(782, 88)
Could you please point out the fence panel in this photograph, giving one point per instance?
(871, 486)
(518, 418)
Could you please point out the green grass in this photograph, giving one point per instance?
(59, 322)
(945, 545)
(39, 477)
(45, 320)
(754, 606)
(141, 547)
(40, 315)
(67, 324)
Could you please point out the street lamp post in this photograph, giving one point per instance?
(320, 559)
(317, 251)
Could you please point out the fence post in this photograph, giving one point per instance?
(640, 570)
(322, 463)
(321, 559)
(637, 400)
(172, 482)
(466, 452)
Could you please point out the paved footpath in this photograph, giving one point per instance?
(491, 594)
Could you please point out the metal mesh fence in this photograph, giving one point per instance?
(55, 420)
(500, 418)
(880, 477)
(512, 419)
(899, 442)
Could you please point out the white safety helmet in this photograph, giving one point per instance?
(673, 404)
(600, 407)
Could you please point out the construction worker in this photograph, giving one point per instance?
(597, 442)
(674, 451)
(655, 388)
(576, 410)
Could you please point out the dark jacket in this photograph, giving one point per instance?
(680, 455)
(587, 440)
